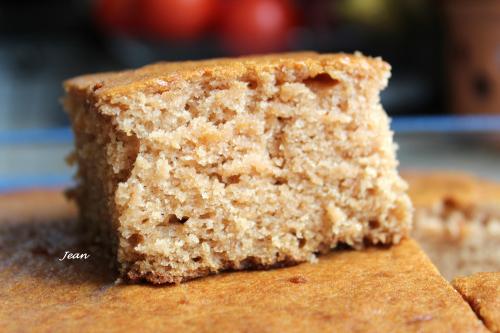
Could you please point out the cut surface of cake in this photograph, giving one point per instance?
(456, 221)
(191, 168)
(482, 291)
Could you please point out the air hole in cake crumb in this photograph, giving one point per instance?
(320, 81)
(343, 106)
(302, 242)
(208, 215)
(220, 117)
(280, 181)
(374, 224)
(346, 155)
(192, 110)
(197, 259)
(234, 179)
(252, 84)
(217, 176)
(135, 240)
(172, 218)
(276, 143)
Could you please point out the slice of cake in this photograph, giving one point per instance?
(457, 221)
(482, 291)
(197, 167)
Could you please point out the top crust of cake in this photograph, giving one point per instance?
(482, 291)
(462, 189)
(160, 77)
(457, 220)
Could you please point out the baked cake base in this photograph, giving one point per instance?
(482, 291)
(456, 221)
(393, 289)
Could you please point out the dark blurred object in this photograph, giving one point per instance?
(385, 15)
(116, 16)
(474, 55)
(41, 44)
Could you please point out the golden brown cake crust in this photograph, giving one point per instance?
(456, 221)
(482, 291)
(161, 76)
(385, 290)
(427, 188)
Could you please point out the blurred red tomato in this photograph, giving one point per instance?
(257, 26)
(116, 15)
(178, 19)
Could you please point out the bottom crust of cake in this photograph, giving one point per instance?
(158, 277)
(146, 271)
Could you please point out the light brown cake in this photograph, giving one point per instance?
(198, 167)
(384, 289)
(482, 291)
(457, 221)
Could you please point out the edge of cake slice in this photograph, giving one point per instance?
(456, 220)
(191, 168)
(482, 292)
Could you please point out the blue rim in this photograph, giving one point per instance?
(446, 124)
(35, 181)
(36, 136)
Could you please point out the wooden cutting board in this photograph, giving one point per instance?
(376, 290)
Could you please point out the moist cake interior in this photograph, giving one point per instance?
(270, 168)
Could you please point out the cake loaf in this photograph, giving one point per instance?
(191, 168)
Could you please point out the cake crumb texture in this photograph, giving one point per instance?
(192, 168)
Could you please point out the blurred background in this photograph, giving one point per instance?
(444, 95)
